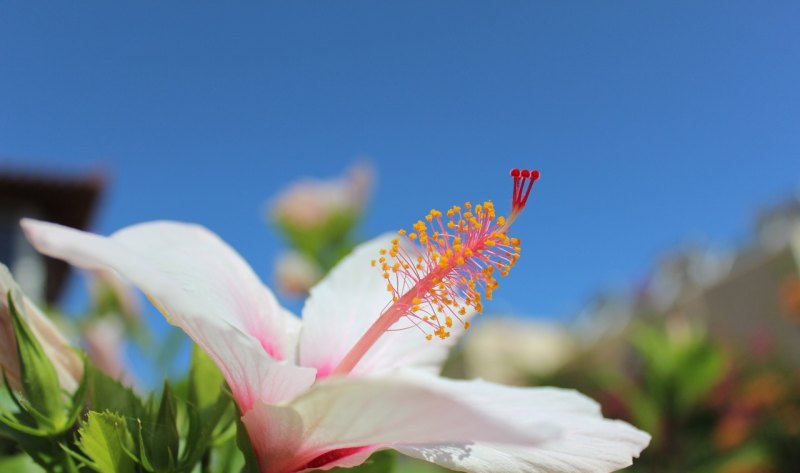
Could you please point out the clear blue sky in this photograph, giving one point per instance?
(653, 123)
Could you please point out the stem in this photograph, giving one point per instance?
(388, 318)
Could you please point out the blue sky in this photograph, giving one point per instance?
(653, 124)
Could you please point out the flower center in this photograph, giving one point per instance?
(445, 267)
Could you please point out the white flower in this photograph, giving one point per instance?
(391, 399)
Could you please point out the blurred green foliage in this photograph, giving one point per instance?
(709, 407)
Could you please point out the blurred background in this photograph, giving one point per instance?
(661, 247)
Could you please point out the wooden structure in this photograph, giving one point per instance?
(61, 198)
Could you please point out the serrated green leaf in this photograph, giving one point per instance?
(106, 393)
(104, 437)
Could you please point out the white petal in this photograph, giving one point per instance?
(344, 305)
(588, 443)
(293, 325)
(373, 412)
(201, 285)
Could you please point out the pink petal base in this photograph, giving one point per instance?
(333, 456)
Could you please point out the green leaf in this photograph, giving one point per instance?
(226, 456)
(202, 427)
(412, 465)
(701, 368)
(104, 438)
(19, 464)
(107, 394)
(205, 380)
(243, 442)
(207, 404)
(143, 457)
(645, 413)
(164, 439)
(78, 400)
(38, 375)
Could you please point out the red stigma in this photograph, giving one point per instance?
(523, 183)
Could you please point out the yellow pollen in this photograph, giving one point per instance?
(451, 265)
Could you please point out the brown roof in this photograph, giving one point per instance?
(65, 198)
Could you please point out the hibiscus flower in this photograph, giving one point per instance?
(359, 373)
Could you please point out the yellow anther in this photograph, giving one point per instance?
(458, 257)
(441, 332)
